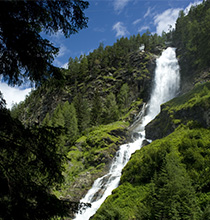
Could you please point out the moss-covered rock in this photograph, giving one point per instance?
(137, 72)
(91, 158)
(191, 107)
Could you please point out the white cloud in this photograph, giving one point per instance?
(120, 29)
(147, 13)
(58, 41)
(57, 63)
(137, 21)
(120, 4)
(13, 95)
(165, 20)
(63, 50)
(65, 65)
(143, 28)
(187, 9)
(168, 18)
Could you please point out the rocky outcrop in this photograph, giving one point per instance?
(160, 127)
(190, 77)
(91, 158)
(137, 73)
(164, 123)
(192, 107)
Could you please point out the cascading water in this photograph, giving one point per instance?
(166, 86)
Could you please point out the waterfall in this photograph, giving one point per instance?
(166, 86)
(166, 83)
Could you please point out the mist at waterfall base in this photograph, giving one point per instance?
(166, 87)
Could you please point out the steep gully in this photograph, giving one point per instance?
(166, 86)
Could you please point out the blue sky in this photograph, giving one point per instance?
(108, 21)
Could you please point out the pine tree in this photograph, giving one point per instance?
(22, 48)
(96, 111)
(82, 111)
(58, 118)
(30, 167)
(70, 119)
(174, 194)
(123, 97)
(111, 111)
(47, 121)
(83, 68)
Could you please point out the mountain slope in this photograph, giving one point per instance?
(102, 72)
(100, 95)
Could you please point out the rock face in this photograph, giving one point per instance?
(190, 76)
(137, 73)
(161, 126)
(175, 112)
(164, 124)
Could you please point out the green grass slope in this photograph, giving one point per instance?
(90, 158)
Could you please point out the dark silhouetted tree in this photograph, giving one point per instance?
(24, 52)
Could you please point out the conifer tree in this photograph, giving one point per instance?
(31, 159)
(96, 111)
(83, 68)
(111, 111)
(70, 119)
(30, 166)
(24, 53)
(82, 111)
(47, 121)
(173, 193)
(58, 118)
(122, 97)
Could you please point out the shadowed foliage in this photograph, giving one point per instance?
(24, 52)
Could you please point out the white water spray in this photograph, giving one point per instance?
(165, 88)
(166, 83)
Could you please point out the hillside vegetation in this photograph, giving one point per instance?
(192, 106)
(121, 72)
(169, 178)
(191, 38)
